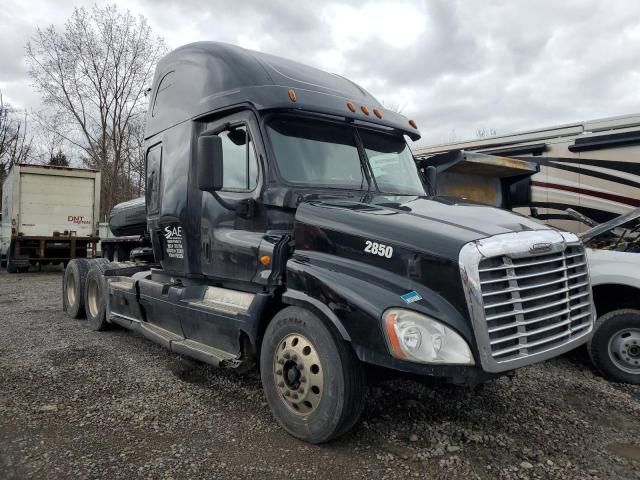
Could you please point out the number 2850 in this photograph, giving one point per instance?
(375, 248)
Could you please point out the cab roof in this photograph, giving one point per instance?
(205, 77)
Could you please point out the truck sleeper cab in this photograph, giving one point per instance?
(290, 229)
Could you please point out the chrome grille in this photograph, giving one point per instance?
(533, 304)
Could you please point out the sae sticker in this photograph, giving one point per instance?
(173, 237)
(411, 297)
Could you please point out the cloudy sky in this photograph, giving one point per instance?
(454, 66)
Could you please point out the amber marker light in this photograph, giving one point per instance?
(265, 259)
(292, 95)
(351, 106)
(364, 109)
(413, 124)
(377, 113)
(390, 321)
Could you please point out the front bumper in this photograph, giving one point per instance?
(470, 375)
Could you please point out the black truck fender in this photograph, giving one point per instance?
(301, 299)
(352, 296)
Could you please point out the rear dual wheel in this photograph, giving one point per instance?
(94, 295)
(74, 283)
(312, 379)
(115, 253)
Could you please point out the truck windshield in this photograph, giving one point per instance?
(392, 163)
(314, 153)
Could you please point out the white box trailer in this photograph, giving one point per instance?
(49, 215)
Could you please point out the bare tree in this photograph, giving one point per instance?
(394, 106)
(135, 157)
(46, 141)
(15, 145)
(484, 132)
(59, 159)
(94, 74)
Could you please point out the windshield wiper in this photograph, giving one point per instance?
(364, 177)
(365, 167)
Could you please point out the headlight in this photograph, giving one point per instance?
(417, 338)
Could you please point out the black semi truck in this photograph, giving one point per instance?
(291, 230)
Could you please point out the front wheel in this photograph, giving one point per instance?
(312, 379)
(615, 346)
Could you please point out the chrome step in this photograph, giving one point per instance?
(224, 300)
(202, 352)
(178, 344)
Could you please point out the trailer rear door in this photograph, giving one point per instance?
(53, 203)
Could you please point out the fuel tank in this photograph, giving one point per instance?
(129, 218)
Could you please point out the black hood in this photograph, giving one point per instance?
(439, 226)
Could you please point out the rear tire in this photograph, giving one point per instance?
(120, 254)
(615, 346)
(313, 382)
(107, 252)
(11, 268)
(94, 295)
(73, 282)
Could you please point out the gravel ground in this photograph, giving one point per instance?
(81, 404)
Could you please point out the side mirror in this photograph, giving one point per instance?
(210, 165)
(431, 175)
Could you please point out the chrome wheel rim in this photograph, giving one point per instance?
(71, 288)
(297, 372)
(93, 296)
(624, 350)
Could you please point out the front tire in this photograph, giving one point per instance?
(313, 382)
(615, 346)
(73, 282)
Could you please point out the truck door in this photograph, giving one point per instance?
(230, 238)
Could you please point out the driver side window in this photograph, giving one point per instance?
(240, 164)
